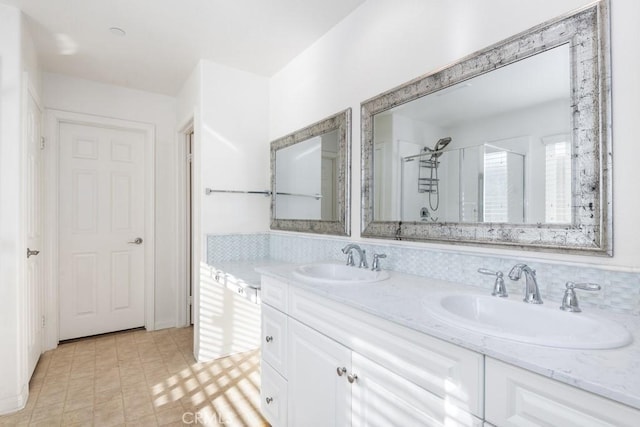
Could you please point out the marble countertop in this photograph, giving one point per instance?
(245, 270)
(403, 298)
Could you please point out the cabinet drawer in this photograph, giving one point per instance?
(444, 369)
(273, 396)
(516, 397)
(274, 339)
(274, 293)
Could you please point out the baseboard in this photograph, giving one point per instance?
(14, 403)
(164, 325)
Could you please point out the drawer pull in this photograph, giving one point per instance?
(352, 378)
(269, 400)
(341, 371)
(269, 338)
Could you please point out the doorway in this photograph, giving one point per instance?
(100, 199)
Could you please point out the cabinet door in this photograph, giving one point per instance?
(273, 396)
(382, 398)
(515, 397)
(318, 396)
(274, 339)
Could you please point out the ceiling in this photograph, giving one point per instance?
(165, 39)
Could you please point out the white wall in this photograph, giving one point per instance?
(229, 109)
(232, 153)
(83, 96)
(17, 59)
(234, 141)
(385, 43)
(11, 386)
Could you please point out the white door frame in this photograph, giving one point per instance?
(182, 307)
(191, 122)
(54, 118)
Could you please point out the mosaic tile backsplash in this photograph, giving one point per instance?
(620, 290)
(237, 247)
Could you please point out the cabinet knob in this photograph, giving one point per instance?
(352, 378)
(269, 338)
(269, 400)
(341, 371)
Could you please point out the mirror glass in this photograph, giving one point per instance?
(508, 146)
(307, 179)
(310, 179)
(504, 154)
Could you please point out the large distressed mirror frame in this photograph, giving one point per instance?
(587, 33)
(341, 224)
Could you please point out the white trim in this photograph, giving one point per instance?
(53, 120)
(182, 287)
(196, 228)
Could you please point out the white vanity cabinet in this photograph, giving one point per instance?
(517, 397)
(345, 367)
(325, 363)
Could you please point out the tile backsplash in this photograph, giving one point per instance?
(237, 247)
(620, 290)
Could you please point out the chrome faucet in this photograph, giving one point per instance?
(531, 291)
(361, 253)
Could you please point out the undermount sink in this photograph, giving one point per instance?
(528, 323)
(338, 273)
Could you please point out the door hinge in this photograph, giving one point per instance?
(189, 158)
(44, 323)
(42, 143)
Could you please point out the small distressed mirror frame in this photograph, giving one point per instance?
(587, 32)
(342, 225)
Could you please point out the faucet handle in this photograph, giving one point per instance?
(489, 272)
(570, 299)
(375, 265)
(583, 286)
(499, 288)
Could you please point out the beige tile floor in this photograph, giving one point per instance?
(141, 378)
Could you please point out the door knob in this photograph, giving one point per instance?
(30, 252)
(138, 241)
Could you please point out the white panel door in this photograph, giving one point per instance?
(101, 204)
(319, 393)
(382, 398)
(34, 272)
